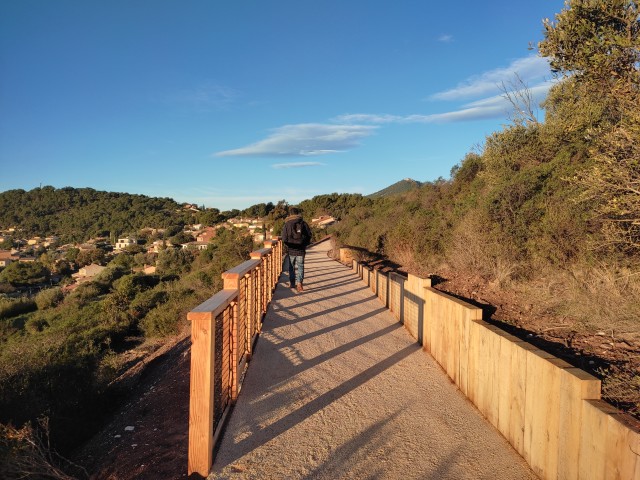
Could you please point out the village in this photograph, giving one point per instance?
(72, 264)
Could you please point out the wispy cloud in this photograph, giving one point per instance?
(280, 166)
(495, 106)
(445, 38)
(529, 69)
(303, 140)
(204, 96)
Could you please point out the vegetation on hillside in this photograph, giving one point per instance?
(78, 213)
(59, 355)
(548, 208)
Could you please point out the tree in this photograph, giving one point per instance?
(597, 44)
(180, 238)
(210, 217)
(597, 39)
(87, 257)
(72, 254)
(613, 183)
(7, 243)
(19, 273)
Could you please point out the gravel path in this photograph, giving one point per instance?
(338, 389)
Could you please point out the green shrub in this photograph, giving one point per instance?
(35, 324)
(145, 301)
(167, 319)
(84, 293)
(13, 307)
(49, 298)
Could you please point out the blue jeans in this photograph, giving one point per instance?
(296, 269)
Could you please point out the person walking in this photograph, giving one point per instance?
(296, 235)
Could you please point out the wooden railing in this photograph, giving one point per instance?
(223, 332)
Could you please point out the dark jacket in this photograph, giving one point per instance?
(295, 249)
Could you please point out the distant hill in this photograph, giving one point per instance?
(398, 187)
(80, 213)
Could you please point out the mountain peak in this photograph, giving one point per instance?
(402, 186)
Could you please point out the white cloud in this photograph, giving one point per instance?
(307, 139)
(529, 69)
(296, 165)
(445, 38)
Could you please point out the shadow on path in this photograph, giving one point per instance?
(268, 433)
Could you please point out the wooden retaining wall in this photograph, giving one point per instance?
(550, 411)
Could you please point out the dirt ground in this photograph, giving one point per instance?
(158, 410)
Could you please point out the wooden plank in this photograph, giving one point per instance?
(518, 395)
(593, 433)
(260, 253)
(622, 455)
(236, 273)
(485, 370)
(436, 328)
(446, 352)
(542, 409)
(412, 305)
(474, 363)
(507, 345)
(201, 393)
(463, 355)
(453, 334)
(214, 305)
(426, 323)
(575, 386)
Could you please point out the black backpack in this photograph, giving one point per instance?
(298, 235)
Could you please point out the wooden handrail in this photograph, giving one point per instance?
(223, 331)
(213, 306)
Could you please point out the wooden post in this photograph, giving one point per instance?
(201, 395)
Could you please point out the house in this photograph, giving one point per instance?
(206, 235)
(323, 221)
(149, 269)
(125, 242)
(88, 272)
(51, 240)
(196, 245)
(156, 247)
(34, 241)
(6, 257)
(190, 207)
(146, 269)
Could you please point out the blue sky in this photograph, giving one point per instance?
(232, 103)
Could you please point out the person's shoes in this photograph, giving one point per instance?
(299, 287)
